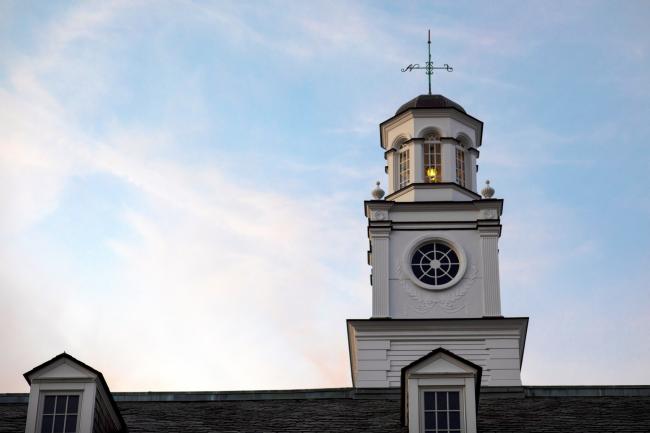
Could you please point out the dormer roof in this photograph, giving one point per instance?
(63, 365)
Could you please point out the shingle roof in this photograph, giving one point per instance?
(528, 409)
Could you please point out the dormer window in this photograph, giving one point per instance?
(68, 396)
(432, 158)
(460, 166)
(404, 167)
(440, 393)
(441, 411)
(60, 413)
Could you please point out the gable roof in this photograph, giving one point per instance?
(66, 357)
(63, 356)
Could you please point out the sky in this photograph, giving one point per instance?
(182, 182)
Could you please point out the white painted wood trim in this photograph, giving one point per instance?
(379, 239)
(448, 160)
(490, 265)
(418, 162)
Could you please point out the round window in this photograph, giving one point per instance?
(435, 263)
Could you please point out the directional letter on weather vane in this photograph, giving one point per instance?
(428, 68)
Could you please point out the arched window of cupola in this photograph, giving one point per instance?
(432, 158)
(404, 165)
(460, 166)
(461, 161)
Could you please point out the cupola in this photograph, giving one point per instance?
(431, 148)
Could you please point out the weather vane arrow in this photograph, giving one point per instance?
(428, 66)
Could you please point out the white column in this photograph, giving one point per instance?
(379, 238)
(392, 171)
(490, 264)
(87, 407)
(470, 406)
(448, 156)
(471, 169)
(418, 162)
(32, 408)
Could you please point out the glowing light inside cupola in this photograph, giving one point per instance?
(432, 174)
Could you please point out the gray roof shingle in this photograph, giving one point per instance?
(543, 410)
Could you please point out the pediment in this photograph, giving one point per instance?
(441, 361)
(440, 365)
(62, 368)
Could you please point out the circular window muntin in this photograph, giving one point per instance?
(420, 242)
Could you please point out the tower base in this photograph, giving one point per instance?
(380, 348)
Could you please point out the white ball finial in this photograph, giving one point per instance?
(488, 191)
(378, 193)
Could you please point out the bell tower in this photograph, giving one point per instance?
(434, 253)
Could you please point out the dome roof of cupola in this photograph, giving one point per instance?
(429, 101)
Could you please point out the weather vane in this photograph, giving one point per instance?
(428, 68)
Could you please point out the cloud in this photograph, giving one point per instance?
(213, 284)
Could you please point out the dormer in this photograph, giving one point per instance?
(440, 393)
(431, 147)
(68, 396)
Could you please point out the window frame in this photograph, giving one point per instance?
(432, 154)
(403, 166)
(461, 405)
(409, 251)
(426, 256)
(461, 161)
(57, 393)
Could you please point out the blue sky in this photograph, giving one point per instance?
(182, 182)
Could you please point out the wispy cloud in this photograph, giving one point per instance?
(193, 278)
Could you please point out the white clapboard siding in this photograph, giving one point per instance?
(380, 354)
(382, 365)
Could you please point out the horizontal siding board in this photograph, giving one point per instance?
(429, 343)
(504, 353)
(374, 365)
(373, 344)
(504, 374)
(372, 375)
(503, 343)
(372, 383)
(405, 360)
(496, 382)
(504, 364)
(421, 353)
(402, 362)
(371, 354)
(429, 348)
(438, 334)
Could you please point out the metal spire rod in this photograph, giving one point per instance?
(429, 63)
(428, 67)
